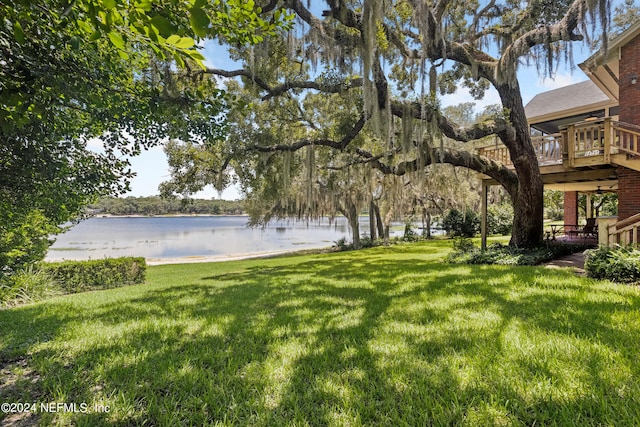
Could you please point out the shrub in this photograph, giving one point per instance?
(505, 255)
(24, 240)
(463, 245)
(458, 224)
(27, 285)
(500, 219)
(617, 264)
(367, 242)
(79, 276)
(342, 245)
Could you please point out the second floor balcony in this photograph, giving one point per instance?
(580, 145)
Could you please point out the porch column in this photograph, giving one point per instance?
(483, 216)
(589, 207)
(570, 208)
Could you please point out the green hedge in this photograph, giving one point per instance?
(80, 276)
(617, 264)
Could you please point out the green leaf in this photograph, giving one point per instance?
(18, 33)
(84, 26)
(144, 5)
(116, 39)
(95, 35)
(173, 39)
(74, 42)
(109, 4)
(195, 55)
(178, 59)
(199, 21)
(164, 26)
(185, 43)
(181, 42)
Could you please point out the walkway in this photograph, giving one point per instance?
(575, 261)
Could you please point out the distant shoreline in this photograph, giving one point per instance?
(185, 215)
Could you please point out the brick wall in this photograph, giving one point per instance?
(629, 180)
(570, 208)
(628, 192)
(630, 94)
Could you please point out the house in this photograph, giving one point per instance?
(587, 137)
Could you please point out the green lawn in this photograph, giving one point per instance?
(387, 336)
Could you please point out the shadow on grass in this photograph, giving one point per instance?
(363, 338)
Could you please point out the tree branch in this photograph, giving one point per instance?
(448, 127)
(506, 177)
(306, 16)
(545, 34)
(338, 145)
(273, 91)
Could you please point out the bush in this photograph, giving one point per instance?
(79, 276)
(28, 285)
(342, 245)
(367, 242)
(500, 219)
(463, 245)
(458, 224)
(617, 264)
(505, 255)
(24, 240)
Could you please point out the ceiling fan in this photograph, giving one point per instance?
(601, 191)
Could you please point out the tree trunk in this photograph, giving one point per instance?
(528, 198)
(426, 223)
(379, 224)
(355, 225)
(372, 221)
(351, 213)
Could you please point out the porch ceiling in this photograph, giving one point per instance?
(585, 187)
(583, 181)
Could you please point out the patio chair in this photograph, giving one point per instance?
(589, 231)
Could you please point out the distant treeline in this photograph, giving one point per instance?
(158, 206)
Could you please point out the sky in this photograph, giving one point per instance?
(151, 166)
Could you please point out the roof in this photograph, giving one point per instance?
(571, 99)
(603, 67)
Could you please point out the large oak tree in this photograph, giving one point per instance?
(394, 55)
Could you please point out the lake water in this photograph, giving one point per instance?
(161, 238)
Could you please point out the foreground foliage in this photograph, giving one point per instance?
(38, 282)
(465, 252)
(110, 75)
(618, 264)
(386, 336)
(27, 285)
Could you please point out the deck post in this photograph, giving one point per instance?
(571, 145)
(608, 137)
(564, 137)
(483, 216)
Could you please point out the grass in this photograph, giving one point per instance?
(386, 336)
